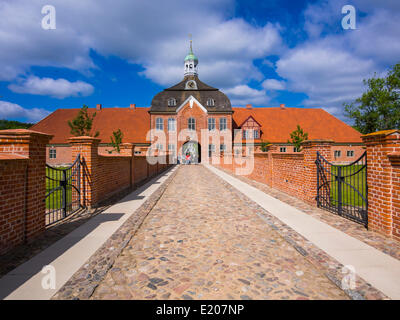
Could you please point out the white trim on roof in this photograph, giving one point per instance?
(191, 99)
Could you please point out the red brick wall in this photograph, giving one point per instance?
(395, 160)
(87, 147)
(113, 174)
(288, 173)
(13, 176)
(310, 148)
(63, 155)
(107, 174)
(382, 179)
(260, 171)
(182, 123)
(343, 159)
(140, 169)
(29, 147)
(294, 173)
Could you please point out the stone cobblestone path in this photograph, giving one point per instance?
(203, 240)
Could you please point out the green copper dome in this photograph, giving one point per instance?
(191, 55)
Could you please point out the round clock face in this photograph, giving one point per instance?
(191, 85)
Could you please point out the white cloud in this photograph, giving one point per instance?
(58, 88)
(24, 43)
(273, 84)
(153, 34)
(11, 111)
(242, 94)
(327, 75)
(329, 67)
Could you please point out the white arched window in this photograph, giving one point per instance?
(210, 102)
(171, 102)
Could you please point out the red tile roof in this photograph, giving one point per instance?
(134, 123)
(278, 123)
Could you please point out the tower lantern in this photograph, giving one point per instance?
(191, 62)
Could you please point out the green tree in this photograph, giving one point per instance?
(264, 146)
(297, 137)
(116, 140)
(82, 124)
(379, 107)
(11, 124)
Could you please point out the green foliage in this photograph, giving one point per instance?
(82, 124)
(379, 107)
(264, 146)
(297, 137)
(7, 124)
(116, 140)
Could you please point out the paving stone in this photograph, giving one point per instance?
(220, 249)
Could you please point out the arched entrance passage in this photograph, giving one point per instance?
(194, 149)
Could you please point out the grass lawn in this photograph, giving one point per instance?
(358, 181)
(54, 201)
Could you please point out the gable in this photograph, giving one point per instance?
(277, 124)
(250, 122)
(190, 102)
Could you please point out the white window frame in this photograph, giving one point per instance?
(211, 149)
(223, 124)
(192, 124)
(282, 149)
(171, 102)
(211, 122)
(337, 153)
(210, 102)
(171, 122)
(52, 153)
(172, 147)
(350, 153)
(160, 124)
(256, 134)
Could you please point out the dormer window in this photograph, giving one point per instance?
(171, 102)
(210, 102)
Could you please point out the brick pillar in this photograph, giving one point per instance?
(129, 149)
(310, 148)
(87, 147)
(383, 181)
(13, 174)
(31, 145)
(394, 158)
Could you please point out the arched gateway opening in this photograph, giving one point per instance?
(194, 149)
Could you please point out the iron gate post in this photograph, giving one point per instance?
(339, 188)
(317, 163)
(63, 183)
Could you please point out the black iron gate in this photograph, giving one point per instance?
(343, 189)
(63, 191)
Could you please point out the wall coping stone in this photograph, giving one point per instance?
(12, 156)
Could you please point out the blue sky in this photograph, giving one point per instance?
(122, 51)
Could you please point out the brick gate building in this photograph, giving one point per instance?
(193, 117)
